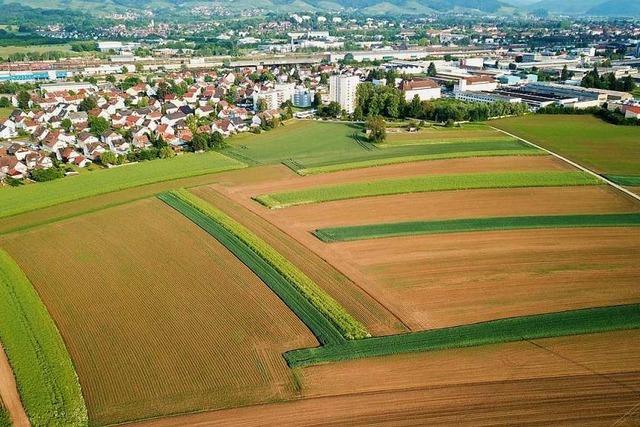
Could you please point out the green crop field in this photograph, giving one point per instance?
(46, 378)
(414, 153)
(426, 184)
(631, 181)
(322, 314)
(5, 419)
(476, 132)
(16, 200)
(573, 322)
(591, 142)
(375, 231)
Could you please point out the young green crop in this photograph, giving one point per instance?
(630, 180)
(45, 375)
(426, 184)
(375, 231)
(320, 312)
(573, 322)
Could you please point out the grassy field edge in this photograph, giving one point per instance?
(565, 323)
(45, 375)
(329, 321)
(376, 231)
(626, 180)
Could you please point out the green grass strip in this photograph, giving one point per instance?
(628, 180)
(573, 322)
(376, 231)
(327, 319)
(47, 381)
(5, 419)
(425, 184)
(314, 170)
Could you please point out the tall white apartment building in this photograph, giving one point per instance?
(342, 89)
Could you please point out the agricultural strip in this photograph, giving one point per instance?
(575, 322)
(442, 280)
(375, 317)
(321, 313)
(375, 231)
(578, 380)
(159, 318)
(9, 395)
(599, 146)
(18, 200)
(91, 204)
(426, 184)
(421, 153)
(630, 181)
(5, 419)
(44, 373)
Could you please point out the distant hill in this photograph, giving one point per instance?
(588, 7)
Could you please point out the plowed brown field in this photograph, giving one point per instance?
(452, 279)
(158, 317)
(586, 380)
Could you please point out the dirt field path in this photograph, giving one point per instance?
(9, 393)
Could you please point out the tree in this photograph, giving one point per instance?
(66, 125)
(98, 125)
(49, 174)
(431, 71)
(317, 100)
(5, 102)
(88, 104)
(261, 106)
(166, 152)
(377, 129)
(415, 106)
(564, 75)
(108, 158)
(199, 142)
(216, 140)
(24, 99)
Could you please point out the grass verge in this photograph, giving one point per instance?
(627, 180)
(426, 184)
(45, 375)
(17, 200)
(376, 231)
(320, 312)
(573, 322)
(5, 419)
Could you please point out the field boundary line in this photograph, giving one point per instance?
(572, 163)
(9, 395)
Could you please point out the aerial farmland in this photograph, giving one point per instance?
(446, 276)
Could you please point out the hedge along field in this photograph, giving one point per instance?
(44, 373)
(16, 200)
(320, 312)
(432, 151)
(573, 322)
(426, 184)
(375, 231)
(159, 318)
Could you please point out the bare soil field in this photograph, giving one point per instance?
(406, 170)
(586, 380)
(372, 314)
(457, 204)
(446, 280)
(158, 317)
(95, 203)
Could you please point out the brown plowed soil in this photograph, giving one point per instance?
(549, 382)
(452, 279)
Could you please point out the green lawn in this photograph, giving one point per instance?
(325, 317)
(376, 231)
(425, 184)
(5, 112)
(573, 322)
(16, 200)
(45, 375)
(591, 142)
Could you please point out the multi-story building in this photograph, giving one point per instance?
(273, 98)
(426, 89)
(342, 89)
(303, 98)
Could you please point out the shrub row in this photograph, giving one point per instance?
(319, 311)
(573, 322)
(425, 184)
(375, 231)
(47, 381)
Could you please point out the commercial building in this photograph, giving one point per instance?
(486, 97)
(342, 89)
(425, 89)
(67, 86)
(476, 84)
